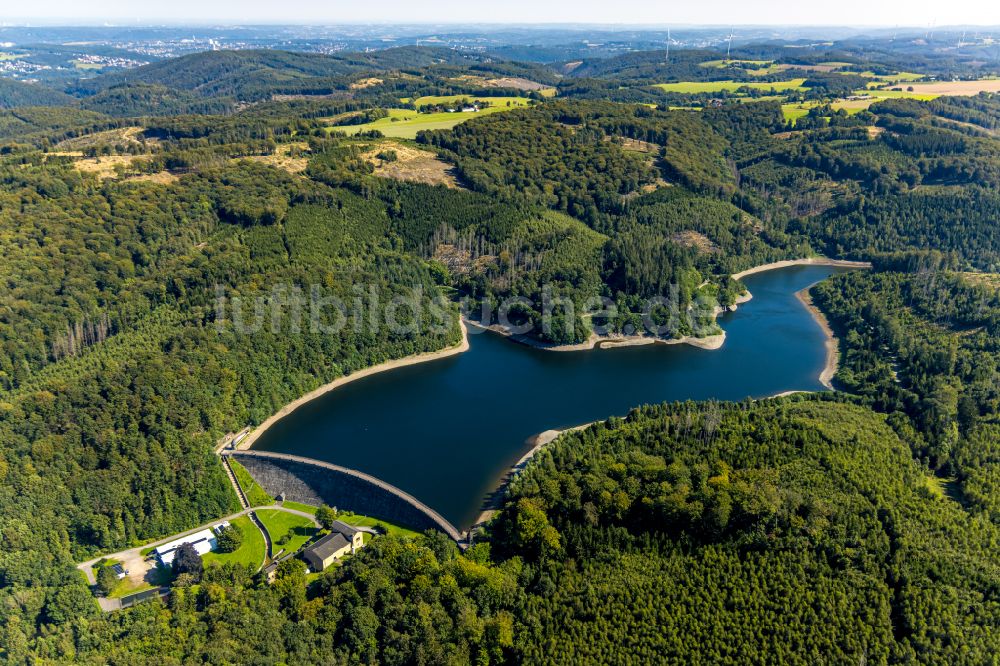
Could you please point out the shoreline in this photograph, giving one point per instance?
(831, 343)
(811, 261)
(385, 366)
(598, 342)
(493, 501)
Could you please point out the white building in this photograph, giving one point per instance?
(203, 542)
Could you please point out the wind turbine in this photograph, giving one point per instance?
(668, 44)
(730, 47)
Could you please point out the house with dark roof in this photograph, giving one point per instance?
(342, 540)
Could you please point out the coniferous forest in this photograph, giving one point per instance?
(858, 526)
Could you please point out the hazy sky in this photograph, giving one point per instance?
(723, 12)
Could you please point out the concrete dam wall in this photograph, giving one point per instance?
(316, 482)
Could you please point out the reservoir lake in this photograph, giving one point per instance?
(447, 430)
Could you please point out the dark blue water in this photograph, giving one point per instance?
(446, 430)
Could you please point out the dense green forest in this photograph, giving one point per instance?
(859, 526)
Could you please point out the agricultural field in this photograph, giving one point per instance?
(696, 87)
(931, 90)
(86, 65)
(918, 93)
(898, 77)
(795, 110)
(433, 100)
(406, 123)
(250, 553)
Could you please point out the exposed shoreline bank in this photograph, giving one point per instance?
(597, 342)
(811, 261)
(538, 442)
(461, 347)
(831, 343)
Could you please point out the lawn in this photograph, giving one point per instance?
(359, 520)
(367, 521)
(280, 524)
(405, 123)
(256, 495)
(250, 553)
(694, 87)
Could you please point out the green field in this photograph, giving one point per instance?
(451, 99)
(794, 111)
(695, 87)
(405, 123)
(894, 78)
(250, 553)
(359, 520)
(894, 94)
(256, 495)
(367, 521)
(10, 56)
(281, 523)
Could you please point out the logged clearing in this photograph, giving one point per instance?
(288, 156)
(411, 165)
(988, 280)
(105, 167)
(366, 83)
(516, 83)
(639, 146)
(696, 240)
(160, 178)
(123, 136)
